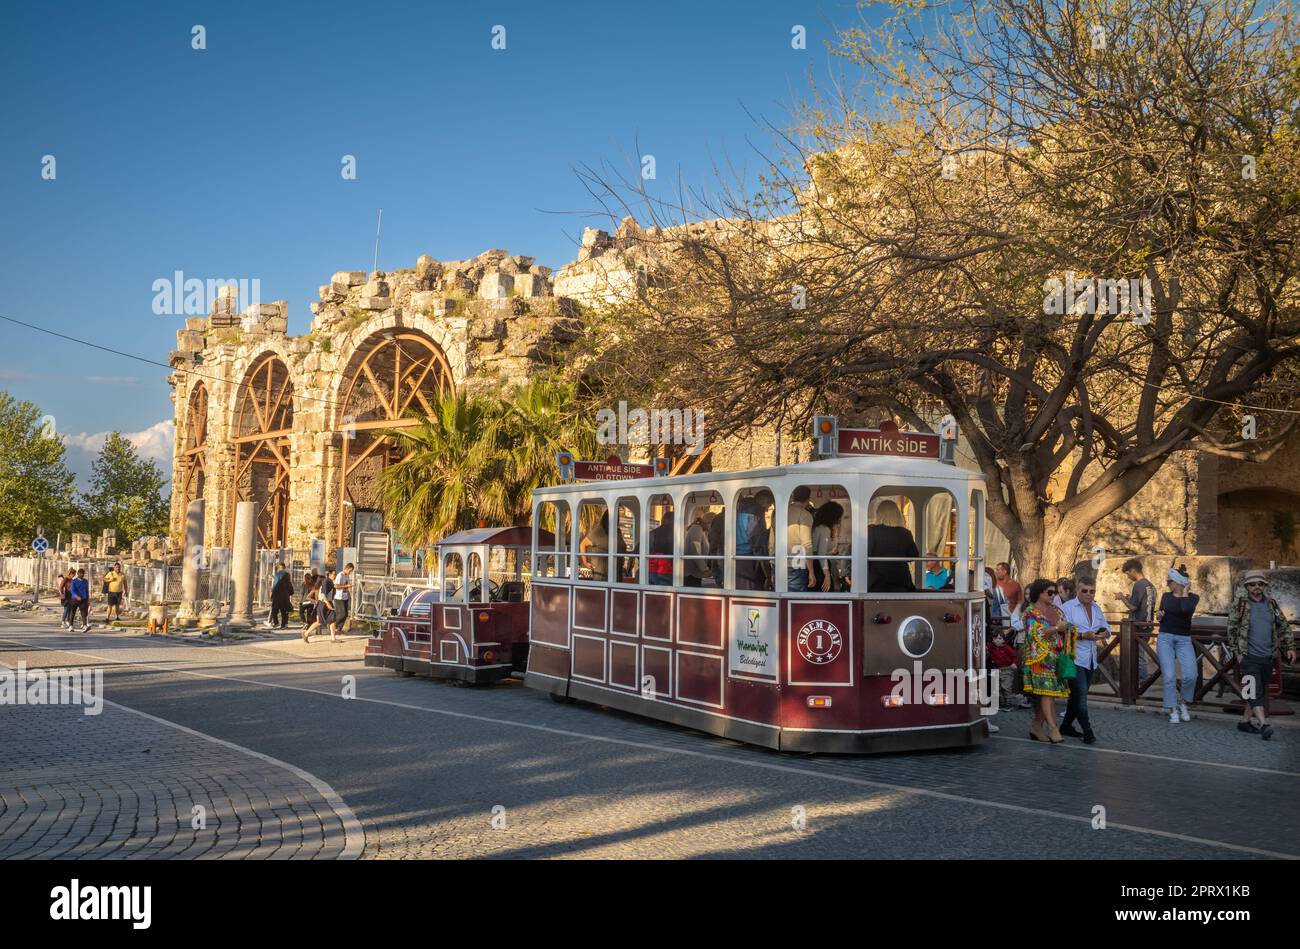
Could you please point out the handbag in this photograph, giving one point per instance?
(1065, 666)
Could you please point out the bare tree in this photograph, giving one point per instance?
(1070, 225)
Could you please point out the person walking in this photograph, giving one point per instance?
(1141, 606)
(114, 584)
(1083, 613)
(343, 597)
(1257, 630)
(65, 597)
(307, 608)
(281, 597)
(1009, 586)
(324, 597)
(1048, 638)
(80, 588)
(1174, 644)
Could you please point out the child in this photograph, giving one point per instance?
(1004, 658)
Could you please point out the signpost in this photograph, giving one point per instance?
(40, 545)
(887, 440)
(612, 469)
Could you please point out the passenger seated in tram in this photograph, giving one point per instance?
(717, 541)
(696, 554)
(595, 541)
(799, 538)
(752, 543)
(661, 552)
(937, 576)
(887, 537)
(825, 572)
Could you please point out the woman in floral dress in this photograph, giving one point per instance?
(1047, 635)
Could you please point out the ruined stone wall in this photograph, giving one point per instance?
(493, 318)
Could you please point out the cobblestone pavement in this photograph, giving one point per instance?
(439, 770)
(122, 785)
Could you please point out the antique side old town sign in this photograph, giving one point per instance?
(886, 440)
(612, 469)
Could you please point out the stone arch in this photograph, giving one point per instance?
(194, 447)
(393, 375)
(259, 433)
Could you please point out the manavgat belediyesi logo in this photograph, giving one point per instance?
(75, 901)
(84, 687)
(920, 686)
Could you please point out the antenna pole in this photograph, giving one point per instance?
(378, 225)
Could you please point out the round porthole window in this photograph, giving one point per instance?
(916, 636)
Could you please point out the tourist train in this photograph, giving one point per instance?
(780, 607)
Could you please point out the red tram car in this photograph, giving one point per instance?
(473, 624)
(831, 606)
(739, 603)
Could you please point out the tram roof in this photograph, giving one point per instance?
(922, 470)
(500, 536)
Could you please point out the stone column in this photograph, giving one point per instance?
(191, 553)
(243, 557)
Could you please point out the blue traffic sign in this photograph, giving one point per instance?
(39, 544)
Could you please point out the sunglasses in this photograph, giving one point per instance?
(1254, 583)
(1050, 592)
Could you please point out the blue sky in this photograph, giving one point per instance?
(226, 162)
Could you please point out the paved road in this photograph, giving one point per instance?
(435, 769)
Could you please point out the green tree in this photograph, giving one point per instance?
(124, 493)
(35, 484)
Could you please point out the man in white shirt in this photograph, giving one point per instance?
(1086, 616)
(798, 539)
(343, 596)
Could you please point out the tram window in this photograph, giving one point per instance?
(755, 568)
(703, 545)
(504, 573)
(905, 521)
(553, 559)
(627, 540)
(659, 568)
(593, 541)
(819, 539)
(453, 577)
(474, 583)
(975, 546)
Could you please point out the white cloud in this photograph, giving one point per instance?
(153, 444)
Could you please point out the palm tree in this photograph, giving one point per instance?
(478, 458)
(446, 481)
(538, 420)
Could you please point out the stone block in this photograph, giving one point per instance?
(421, 300)
(487, 328)
(496, 285)
(349, 278)
(376, 303)
(540, 270)
(532, 285)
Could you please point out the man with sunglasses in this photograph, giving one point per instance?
(1086, 616)
(1257, 629)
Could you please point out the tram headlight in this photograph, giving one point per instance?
(916, 636)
